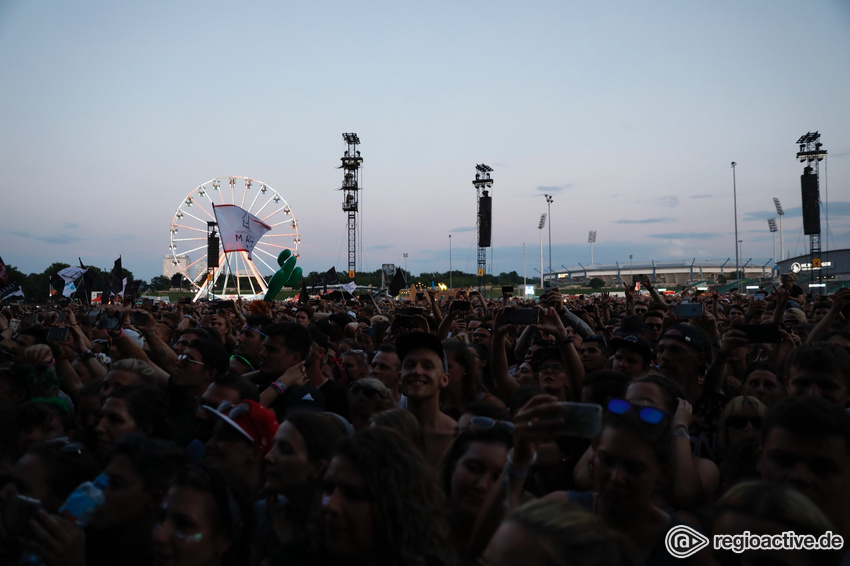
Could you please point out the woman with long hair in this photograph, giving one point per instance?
(465, 381)
(470, 470)
(303, 445)
(380, 505)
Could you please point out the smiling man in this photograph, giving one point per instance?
(424, 373)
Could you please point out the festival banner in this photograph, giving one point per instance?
(239, 229)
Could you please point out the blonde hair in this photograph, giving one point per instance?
(572, 535)
(734, 407)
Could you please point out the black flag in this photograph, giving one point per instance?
(397, 284)
(116, 283)
(84, 286)
(304, 295)
(8, 287)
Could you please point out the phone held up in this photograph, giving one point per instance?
(522, 316)
(581, 419)
(687, 310)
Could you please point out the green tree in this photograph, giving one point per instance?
(160, 283)
(597, 283)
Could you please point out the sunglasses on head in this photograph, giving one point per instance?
(365, 390)
(740, 421)
(485, 423)
(649, 415)
(234, 411)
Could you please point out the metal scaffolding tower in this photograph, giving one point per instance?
(812, 153)
(482, 182)
(351, 162)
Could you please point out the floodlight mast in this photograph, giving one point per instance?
(482, 182)
(591, 239)
(771, 224)
(781, 213)
(540, 227)
(351, 162)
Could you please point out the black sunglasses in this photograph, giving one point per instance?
(740, 421)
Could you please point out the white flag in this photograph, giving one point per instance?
(350, 287)
(239, 229)
(69, 289)
(71, 274)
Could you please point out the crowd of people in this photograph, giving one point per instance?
(444, 429)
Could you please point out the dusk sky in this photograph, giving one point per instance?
(628, 113)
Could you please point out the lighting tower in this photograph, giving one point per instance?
(540, 227)
(771, 224)
(482, 182)
(737, 260)
(591, 239)
(351, 162)
(781, 213)
(812, 154)
(549, 211)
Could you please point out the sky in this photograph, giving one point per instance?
(628, 113)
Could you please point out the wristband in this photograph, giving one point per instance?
(681, 430)
(87, 355)
(279, 387)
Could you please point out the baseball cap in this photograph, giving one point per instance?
(633, 343)
(255, 422)
(690, 335)
(304, 397)
(407, 343)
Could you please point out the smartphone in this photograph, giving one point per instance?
(641, 278)
(57, 334)
(761, 333)
(20, 509)
(581, 419)
(462, 306)
(687, 310)
(110, 322)
(523, 316)
(61, 316)
(758, 297)
(420, 296)
(507, 289)
(138, 319)
(93, 315)
(414, 311)
(29, 319)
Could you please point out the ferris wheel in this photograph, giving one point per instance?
(238, 273)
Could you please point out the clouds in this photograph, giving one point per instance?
(686, 235)
(48, 238)
(667, 201)
(553, 188)
(644, 221)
